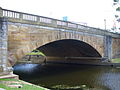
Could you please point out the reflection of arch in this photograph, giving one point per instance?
(69, 47)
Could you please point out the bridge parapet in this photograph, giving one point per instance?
(20, 17)
(14, 15)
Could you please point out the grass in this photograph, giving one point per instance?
(4, 83)
(116, 60)
(36, 52)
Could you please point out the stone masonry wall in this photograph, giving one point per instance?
(115, 48)
(23, 38)
(3, 46)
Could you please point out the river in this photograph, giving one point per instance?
(56, 75)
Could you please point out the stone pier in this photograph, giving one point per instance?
(4, 69)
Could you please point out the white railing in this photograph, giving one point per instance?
(11, 14)
(35, 18)
(40, 19)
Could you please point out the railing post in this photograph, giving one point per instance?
(38, 19)
(54, 22)
(77, 27)
(1, 12)
(21, 16)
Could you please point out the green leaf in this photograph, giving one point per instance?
(116, 0)
(118, 9)
(36, 52)
(116, 16)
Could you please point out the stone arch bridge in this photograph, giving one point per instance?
(22, 32)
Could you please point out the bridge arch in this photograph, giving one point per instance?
(23, 38)
(59, 48)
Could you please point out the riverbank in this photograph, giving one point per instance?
(15, 84)
(117, 60)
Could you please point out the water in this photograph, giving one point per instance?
(52, 75)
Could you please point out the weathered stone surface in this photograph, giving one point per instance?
(3, 46)
(1, 69)
(15, 86)
(2, 89)
(24, 38)
(115, 48)
(35, 59)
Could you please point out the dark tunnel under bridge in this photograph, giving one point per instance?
(69, 49)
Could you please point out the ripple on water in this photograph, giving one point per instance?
(104, 77)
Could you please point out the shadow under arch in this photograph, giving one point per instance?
(69, 48)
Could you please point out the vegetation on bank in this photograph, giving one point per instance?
(14, 84)
(66, 87)
(36, 52)
(116, 60)
(80, 87)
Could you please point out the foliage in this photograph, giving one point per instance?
(36, 52)
(116, 0)
(116, 6)
(116, 60)
(118, 9)
(66, 87)
(8, 79)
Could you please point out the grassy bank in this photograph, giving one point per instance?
(116, 60)
(14, 84)
(36, 52)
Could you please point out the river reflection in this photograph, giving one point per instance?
(49, 75)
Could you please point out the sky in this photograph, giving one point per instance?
(92, 12)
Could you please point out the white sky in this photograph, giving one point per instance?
(92, 12)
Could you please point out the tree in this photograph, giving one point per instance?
(116, 4)
(116, 0)
(118, 9)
